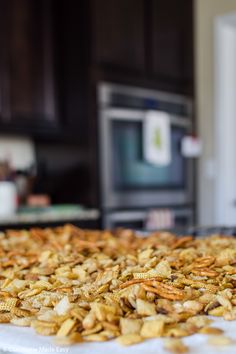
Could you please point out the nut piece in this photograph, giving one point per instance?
(89, 320)
(223, 301)
(63, 306)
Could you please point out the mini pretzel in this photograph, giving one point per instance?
(205, 272)
(181, 242)
(162, 293)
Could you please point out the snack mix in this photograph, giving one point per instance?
(83, 285)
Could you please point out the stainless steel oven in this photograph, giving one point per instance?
(137, 219)
(127, 180)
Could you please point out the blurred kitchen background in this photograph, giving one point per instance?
(117, 113)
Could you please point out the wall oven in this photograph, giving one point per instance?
(137, 219)
(127, 180)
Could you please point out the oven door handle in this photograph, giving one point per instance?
(138, 115)
(124, 114)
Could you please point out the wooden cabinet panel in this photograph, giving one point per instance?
(72, 58)
(118, 33)
(171, 39)
(140, 42)
(28, 87)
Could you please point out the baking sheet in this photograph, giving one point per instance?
(25, 341)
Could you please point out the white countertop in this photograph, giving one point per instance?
(50, 216)
(24, 340)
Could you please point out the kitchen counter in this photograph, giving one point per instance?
(51, 217)
(27, 341)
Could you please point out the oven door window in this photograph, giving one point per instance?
(132, 172)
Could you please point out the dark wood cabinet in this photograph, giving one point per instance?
(28, 86)
(71, 29)
(171, 36)
(118, 31)
(54, 52)
(144, 42)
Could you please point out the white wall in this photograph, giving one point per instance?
(224, 118)
(205, 13)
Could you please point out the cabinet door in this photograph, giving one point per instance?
(118, 34)
(171, 39)
(2, 71)
(28, 79)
